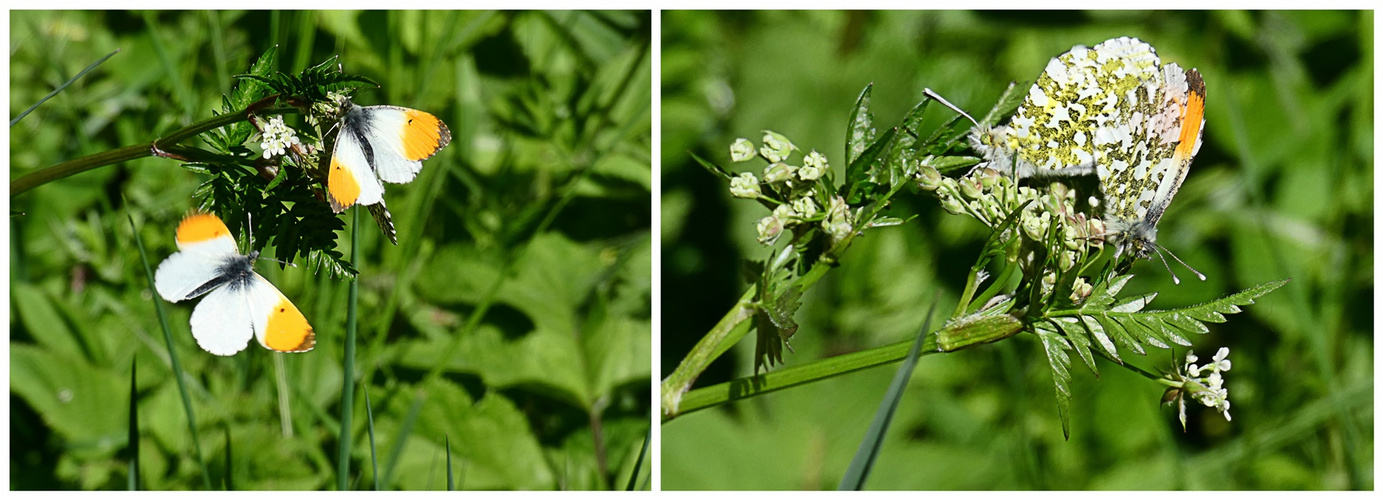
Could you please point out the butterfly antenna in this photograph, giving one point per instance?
(1182, 262)
(936, 97)
(1175, 279)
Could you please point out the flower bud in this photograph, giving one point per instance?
(745, 186)
(776, 148)
(928, 178)
(741, 150)
(778, 172)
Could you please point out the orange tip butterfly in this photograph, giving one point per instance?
(239, 303)
(380, 143)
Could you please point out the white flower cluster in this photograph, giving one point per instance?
(1209, 390)
(791, 187)
(277, 137)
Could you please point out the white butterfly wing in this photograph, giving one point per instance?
(205, 246)
(401, 139)
(351, 180)
(223, 321)
(185, 275)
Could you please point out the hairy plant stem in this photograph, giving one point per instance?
(71, 167)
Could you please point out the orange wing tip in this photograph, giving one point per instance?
(423, 135)
(196, 228)
(1193, 116)
(287, 329)
(342, 187)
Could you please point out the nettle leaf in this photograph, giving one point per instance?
(1108, 323)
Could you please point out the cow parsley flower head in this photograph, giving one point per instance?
(277, 137)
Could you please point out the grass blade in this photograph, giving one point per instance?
(60, 88)
(133, 446)
(172, 357)
(858, 472)
(451, 481)
(370, 427)
(228, 481)
(281, 382)
(638, 464)
(401, 439)
(343, 454)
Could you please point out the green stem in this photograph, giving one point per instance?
(348, 363)
(731, 328)
(949, 338)
(71, 167)
(748, 387)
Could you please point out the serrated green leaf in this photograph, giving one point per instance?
(1133, 304)
(1130, 327)
(1055, 347)
(1081, 345)
(1098, 331)
(859, 132)
(859, 171)
(1008, 103)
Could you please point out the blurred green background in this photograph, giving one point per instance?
(1282, 188)
(549, 168)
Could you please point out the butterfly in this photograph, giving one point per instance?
(239, 303)
(377, 144)
(1116, 111)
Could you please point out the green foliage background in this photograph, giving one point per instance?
(548, 171)
(1282, 188)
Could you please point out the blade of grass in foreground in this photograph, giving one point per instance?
(60, 88)
(228, 482)
(451, 481)
(172, 357)
(638, 464)
(401, 439)
(858, 472)
(343, 455)
(370, 426)
(133, 446)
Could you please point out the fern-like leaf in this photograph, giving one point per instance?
(1056, 346)
(1112, 324)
